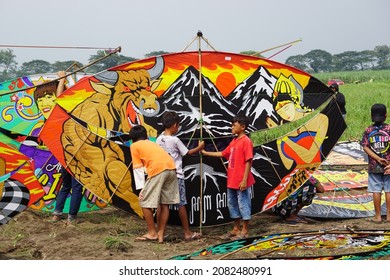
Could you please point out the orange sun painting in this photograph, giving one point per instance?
(226, 82)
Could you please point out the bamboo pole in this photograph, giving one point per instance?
(118, 49)
(200, 35)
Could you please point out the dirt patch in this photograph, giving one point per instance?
(110, 233)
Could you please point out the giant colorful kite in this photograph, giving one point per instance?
(19, 188)
(87, 131)
(23, 115)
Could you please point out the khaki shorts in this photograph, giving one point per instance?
(160, 189)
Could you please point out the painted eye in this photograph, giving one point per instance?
(126, 89)
(147, 88)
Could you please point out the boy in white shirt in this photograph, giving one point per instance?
(176, 149)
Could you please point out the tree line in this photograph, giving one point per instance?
(319, 61)
(315, 61)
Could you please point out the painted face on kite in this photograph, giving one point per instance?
(46, 104)
(287, 111)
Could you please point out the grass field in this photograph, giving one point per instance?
(373, 87)
(362, 90)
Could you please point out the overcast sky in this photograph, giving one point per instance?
(143, 26)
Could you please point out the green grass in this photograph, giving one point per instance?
(359, 99)
(351, 77)
(374, 87)
(118, 243)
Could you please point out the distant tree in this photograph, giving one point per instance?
(298, 61)
(8, 65)
(253, 53)
(383, 54)
(36, 66)
(108, 62)
(69, 65)
(346, 61)
(366, 60)
(318, 61)
(155, 53)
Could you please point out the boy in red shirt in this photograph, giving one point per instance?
(239, 176)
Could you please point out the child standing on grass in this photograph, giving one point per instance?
(160, 188)
(376, 144)
(239, 177)
(176, 149)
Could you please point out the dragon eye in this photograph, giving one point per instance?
(147, 88)
(126, 89)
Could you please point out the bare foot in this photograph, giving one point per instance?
(234, 232)
(377, 220)
(192, 236)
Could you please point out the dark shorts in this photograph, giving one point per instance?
(302, 197)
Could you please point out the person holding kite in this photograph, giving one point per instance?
(160, 188)
(239, 177)
(176, 149)
(376, 144)
(340, 98)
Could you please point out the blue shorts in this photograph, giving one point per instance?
(378, 182)
(182, 192)
(239, 203)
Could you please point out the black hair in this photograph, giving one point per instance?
(335, 86)
(138, 132)
(169, 119)
(242, 119)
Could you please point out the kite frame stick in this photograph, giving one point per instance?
(200, 35)
(118, 49)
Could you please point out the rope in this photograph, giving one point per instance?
(343, 189)
(198, 36)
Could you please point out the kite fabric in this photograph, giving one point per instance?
(86, 132)
(19, 188)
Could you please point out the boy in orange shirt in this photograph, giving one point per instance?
(160, 188)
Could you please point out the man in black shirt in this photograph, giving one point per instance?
(340, 98)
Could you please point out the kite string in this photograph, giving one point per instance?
(215, 146)
(334, 196)
(343, 189)
(273, 167)
(198, 36)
